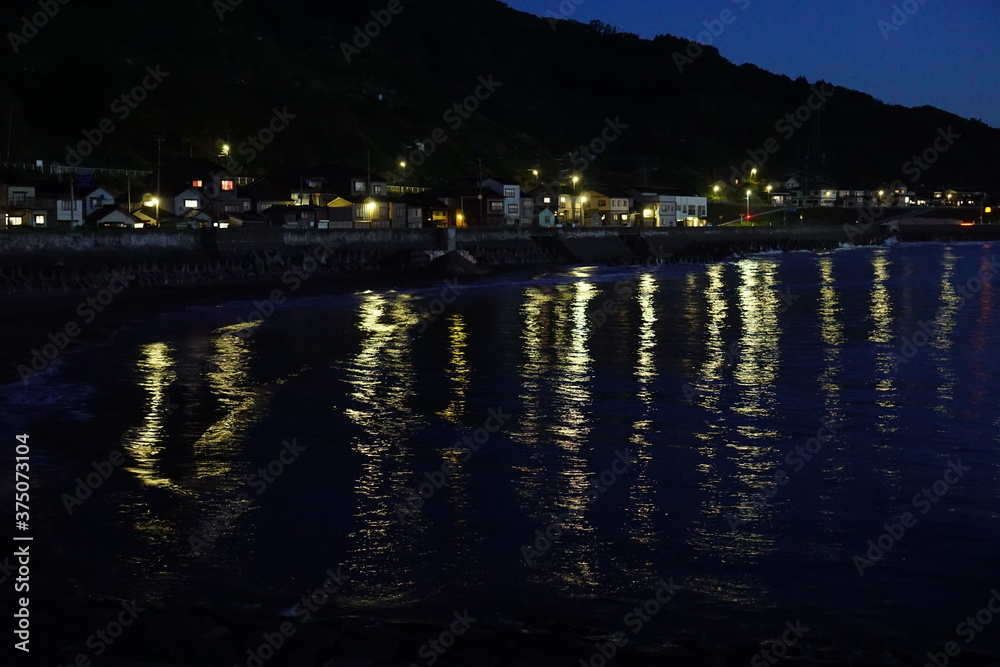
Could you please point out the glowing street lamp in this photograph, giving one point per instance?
(748, 204)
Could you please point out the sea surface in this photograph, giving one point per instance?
(554, 443)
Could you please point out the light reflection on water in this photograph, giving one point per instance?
(704, 373)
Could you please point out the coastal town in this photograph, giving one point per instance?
(193, 193)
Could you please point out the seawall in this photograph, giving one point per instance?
(43, 261)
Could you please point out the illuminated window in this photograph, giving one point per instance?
(496, 207)
(359, 186)
(546, 200)
(190, 203)
(377, 189)
(197, 184)
(15, 220)
(39, 220)
(510, 193)
(512, 209)
(68, 205)
(227, 186)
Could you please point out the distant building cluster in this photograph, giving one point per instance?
(195, 193)
(791, 193)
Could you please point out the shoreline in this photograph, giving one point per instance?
(38, 318)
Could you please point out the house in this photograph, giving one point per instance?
(98, 198)
(150, 216)
(613, 207)
(19, 205)
(112, 215)
(323, 184)
(187, 184)
(249, 219)
(505, 210)
(657, 207)
(546, 217)
(372, 212)
(468, 203)
(660, 207)
(309, 217)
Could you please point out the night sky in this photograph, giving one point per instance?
(946, 54)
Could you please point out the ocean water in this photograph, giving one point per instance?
(553, 444)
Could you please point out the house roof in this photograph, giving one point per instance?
(103, 212)
(247, 216)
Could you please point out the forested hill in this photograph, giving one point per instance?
(231, 63)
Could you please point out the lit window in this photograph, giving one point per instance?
(67, 205)
(190, 203)
(197, 184)
(512, 209)
(39, 220)
(377, 189)
(496, 207)
(15, 220)
(546, 200)
(510, 193)
(227, 186)
(359, 186)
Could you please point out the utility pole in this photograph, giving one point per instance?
(10, 127)
(482, 202)
(159, 151)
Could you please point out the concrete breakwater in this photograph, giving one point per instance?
(81, 261)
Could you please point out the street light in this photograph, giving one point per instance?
(583, 201)
(748, 204)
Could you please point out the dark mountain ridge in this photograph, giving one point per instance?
(232, 65)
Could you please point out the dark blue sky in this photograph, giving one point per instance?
(946, 54)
